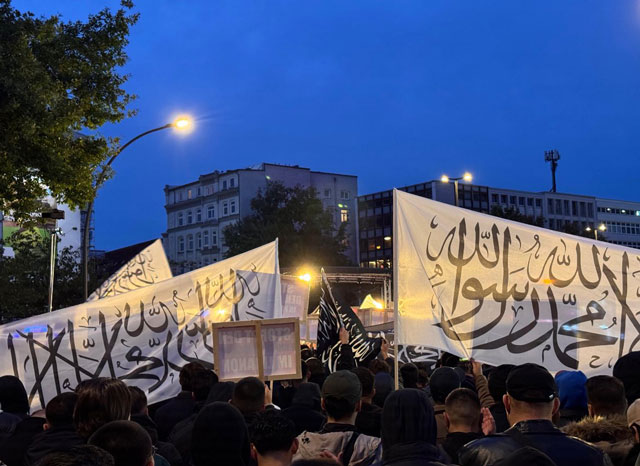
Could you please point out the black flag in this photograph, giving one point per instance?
(332, 317)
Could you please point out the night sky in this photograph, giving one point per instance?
(396, 92)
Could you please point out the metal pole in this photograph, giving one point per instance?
(52, 263)
(99, 181)
(455, 190)
(595, 230)
(396, 343)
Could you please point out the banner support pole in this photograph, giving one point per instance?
(395, 292)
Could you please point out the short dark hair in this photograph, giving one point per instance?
(59, 410)
(272, 431)
(463, 407)
(606, 395)
(248, 395)
(423, 377)
(338, 408)
(201, 382)
(409, 374)
(128, 442)
(186, 374)
(366, 378)
(378, 365)
(83, 455)
(138, 400)
(315, 462)
(100, 401)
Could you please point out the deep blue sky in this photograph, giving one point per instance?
(396, 92)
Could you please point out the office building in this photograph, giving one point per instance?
(198, 212)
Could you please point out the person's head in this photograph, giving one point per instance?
(633, 419)
(128, 443)
(186, 375)
(273, 435)
(201, 383)
(100, 401)
(498, 381)
(462, 411)
(305, 352)
(409, 374)
(605, 395)
(248, 395)
(378, 365)
(220, 434)
(423, 378)
(222, 391)
(316, 371)
(59, 411)
(13, 396)
(367, 379)
(627, 370)
(341, 393)
(308, 395)
(83, 455)
(407, 417)
(572, 390)
(138, 401)
(304, 370)
(443, 381)
(531, 394)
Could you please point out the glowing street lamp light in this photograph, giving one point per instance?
(601, 227)
(466, 177)
(305, 277)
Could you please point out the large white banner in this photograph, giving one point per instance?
(144, 336)
(506, 292)
(146, 268)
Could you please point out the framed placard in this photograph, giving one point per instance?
(295, 297)
(268, 349)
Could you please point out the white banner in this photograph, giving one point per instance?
(146, 268)
(506, 292)
(144, 336)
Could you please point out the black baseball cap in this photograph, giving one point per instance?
(344, 385)
(531, 383)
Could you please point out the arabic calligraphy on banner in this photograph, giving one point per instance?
(144, 336)
(146, 268)
(505, 292)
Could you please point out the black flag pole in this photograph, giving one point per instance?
(395, 290)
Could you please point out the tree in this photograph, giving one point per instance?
(511, 213)
(57, 79)
(296, 216)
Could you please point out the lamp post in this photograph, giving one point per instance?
(601, 227)
(466, 177)
(181, 123)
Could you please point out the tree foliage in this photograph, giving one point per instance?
(56, 79)
(306, 231)
(511, 213)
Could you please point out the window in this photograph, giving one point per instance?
(199, 215)
(211, 211)
(224, 184)
(583, 209)
(530, 201)
(180, 196)
(199, 191)
(232, 205)
(180, 244)
(189, 194)
(327, 193)
(538, 202)
(566, 208)
(558, 207)
(180, 219)
(590, 209)
(205, 238)
(189, 242)
(199, 240)
(550, 206)
(225, 208)
(521, 200)
(232, 182)
(344, 194)
(189, 218)
(494, 198)
(344, 215)
(503, 198)
(214, 237)
(513, 200)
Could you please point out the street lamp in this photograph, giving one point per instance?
(182, 123)
(601, 227)
(466, 177)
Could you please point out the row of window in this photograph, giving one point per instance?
(623, 228)
(515, 200)
(190, 193)
(377, 264)
(228, 208)
(344, 194)
(630, 244)
(198, 241)
(612, 210)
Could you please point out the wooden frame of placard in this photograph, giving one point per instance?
(258, 325)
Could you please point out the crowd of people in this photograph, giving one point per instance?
(460, 413)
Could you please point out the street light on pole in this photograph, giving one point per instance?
(601, 227)
(182, 123)
(466, 177)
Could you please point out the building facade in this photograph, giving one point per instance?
(198, 212)
(556, 211)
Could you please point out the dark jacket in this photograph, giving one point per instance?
(633, 458)
(413, 454)
(540, 434)
(369, 420)
(610, 434)
(165, 449)
(499, 414)
(176, 410)
(61, 438)
(13, 449)
(456, 440)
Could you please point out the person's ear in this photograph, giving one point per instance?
(322, 404)
(447, 421)
(636, 434)
(373, 392)
(46, 426)
(556, 406)
(507, 403)
(294, 446)
(358, 406)
(254, 453)
(590, 409)
(151, 461)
